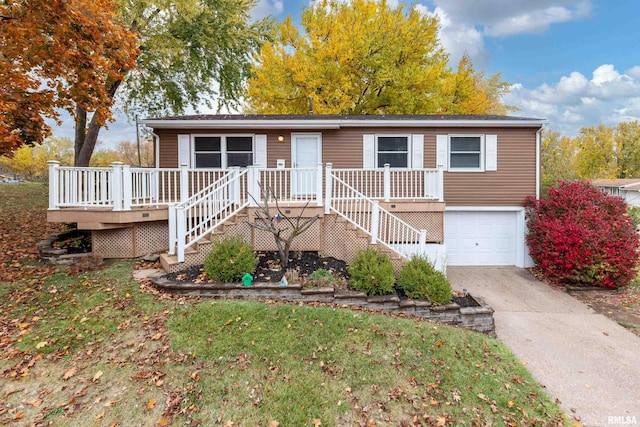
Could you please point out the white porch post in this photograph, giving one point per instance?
(184, 182)
(127, 183)
(172, 230)
(53, 184)
(319, 185)
(181, 232)
(423, 242)
(116, 185)
(387, 182)
(235, 185)
(328, 187)
(253, 175)
(440, 184)
(375, 221)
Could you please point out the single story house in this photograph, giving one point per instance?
(627, 188)
(449, 187)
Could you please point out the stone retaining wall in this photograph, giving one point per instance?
(476, 318)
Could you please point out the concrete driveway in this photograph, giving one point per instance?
(586, 361)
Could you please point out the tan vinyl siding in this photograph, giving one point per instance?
(514, 180)
(508, 186)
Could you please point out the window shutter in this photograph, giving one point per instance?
(417, 151)
(260, 151)
(491, 152)
(442, 151)
(368, 151)
(184, 150)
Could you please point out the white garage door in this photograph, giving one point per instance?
(480, 238)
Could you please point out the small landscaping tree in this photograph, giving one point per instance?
(283, 228)
(581, 236)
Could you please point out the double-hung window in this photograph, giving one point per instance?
(466, 152)
(223, 151)
(392, 150)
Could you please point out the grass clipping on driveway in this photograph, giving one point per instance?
(96, 348)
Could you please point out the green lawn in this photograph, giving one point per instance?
(96, 348)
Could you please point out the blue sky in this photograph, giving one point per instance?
(573, 62)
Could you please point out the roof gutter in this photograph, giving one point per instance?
(317, 124)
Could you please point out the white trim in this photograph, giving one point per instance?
(332, 123)
(538, 132)
(294, 137)
(185, 139)
(485, 208)
(442, 151)
(223, 146)
(482, 153)
(522, 258)
(392, 135)
(260, 150)
(369, 151)
(156, 146)
(490, 153)
(417, 151)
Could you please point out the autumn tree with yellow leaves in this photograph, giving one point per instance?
(366, 57)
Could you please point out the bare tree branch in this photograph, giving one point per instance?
(285, 234)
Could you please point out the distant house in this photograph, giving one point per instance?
(628, 189)
(448, 187)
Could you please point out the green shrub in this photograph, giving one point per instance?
(321, 277)
(419, 279)
(372, 272)
(230, 259)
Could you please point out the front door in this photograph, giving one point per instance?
(306, 153)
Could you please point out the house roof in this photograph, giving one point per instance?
(626, 183)
(321, 121)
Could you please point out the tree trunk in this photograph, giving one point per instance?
(86, 144)
(87, 137)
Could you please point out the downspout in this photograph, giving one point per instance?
(538, 133)
(156, 147)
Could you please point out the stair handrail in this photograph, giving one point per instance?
(373, 227)
(213, 206)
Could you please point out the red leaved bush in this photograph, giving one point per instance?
(581, 236)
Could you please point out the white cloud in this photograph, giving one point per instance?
(464, 24)
(458, 39)
(574, 102)
(265, 8)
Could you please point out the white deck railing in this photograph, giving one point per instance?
(289, 185)
(208, 209)
(71, 186)
(366, 214)
(392, 183)
(120, 187)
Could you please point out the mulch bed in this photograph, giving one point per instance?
(303, 263)
(268, 270)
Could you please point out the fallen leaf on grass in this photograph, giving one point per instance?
(97, 376)
(41, 344)
(274, 423)
(316, 422)
(151, 404)
(163, 422)
(69, 373)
